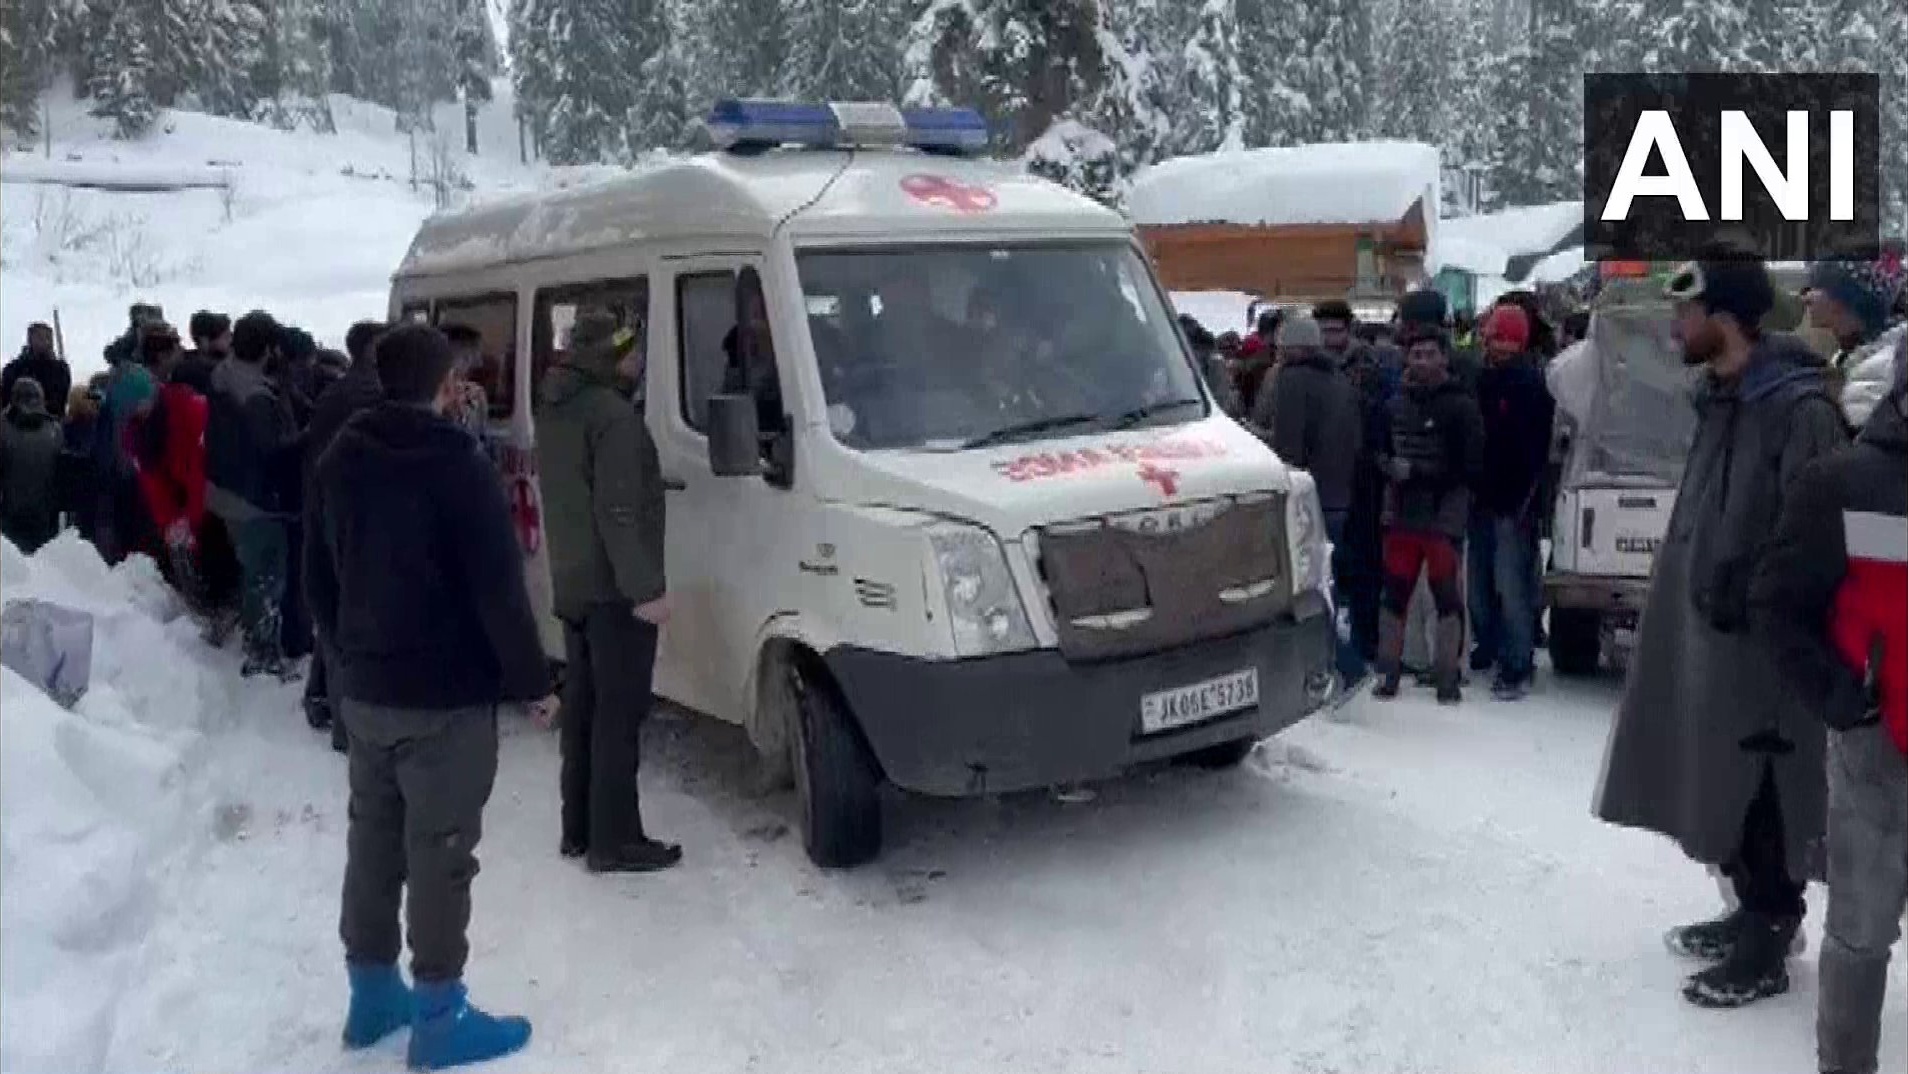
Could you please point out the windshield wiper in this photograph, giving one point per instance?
(1029, 428)
(1139, 414)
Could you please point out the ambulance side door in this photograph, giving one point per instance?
(722, 532)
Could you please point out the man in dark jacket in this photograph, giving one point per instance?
(212, 344)
(1706, 748)
(126, 347)
(246, 445)
(417, 587)
(603, 513)
(356, 392)
(1312, 417)
(1358, 560)
(1517, 411)
(1431, 458)
(30, 444)
(1829, 599)
(40, 360)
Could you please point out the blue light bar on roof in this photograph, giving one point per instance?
(754, 125)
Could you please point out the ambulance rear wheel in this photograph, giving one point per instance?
(837, 782)
(1576, 641)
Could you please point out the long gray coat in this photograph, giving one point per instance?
(1700, 684)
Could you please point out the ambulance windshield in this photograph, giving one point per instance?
(948, 347)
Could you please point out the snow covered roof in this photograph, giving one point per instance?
(1332, 183)
(817, 196)
(1529, 229)
(1468, 255)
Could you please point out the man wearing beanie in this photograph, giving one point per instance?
(604, 511)
(1311, 417)
(1853, 300)
(1829, 598)
(1502, 549)
(1707, 747)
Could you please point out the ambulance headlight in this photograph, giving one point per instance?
(983, 603)
(1311, 544)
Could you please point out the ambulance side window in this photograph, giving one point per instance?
(705, 319)
(494, 318)
(556, 309)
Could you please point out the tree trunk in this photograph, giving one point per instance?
(470, 124)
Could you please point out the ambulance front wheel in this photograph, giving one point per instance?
(1576, 641)
(837, 782)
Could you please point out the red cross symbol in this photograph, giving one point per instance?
(945, 193)
(1166, 480)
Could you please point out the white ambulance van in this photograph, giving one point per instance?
(950, 506)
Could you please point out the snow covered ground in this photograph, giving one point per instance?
(1404, 888)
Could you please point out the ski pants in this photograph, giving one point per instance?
(610, 661)
(1868, 889)
(419, 782)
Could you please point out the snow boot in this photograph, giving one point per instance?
(1706, 941)
(446, 1031)
(639, 855)
(1510, 689)
(1757, 967)
(380, 1004)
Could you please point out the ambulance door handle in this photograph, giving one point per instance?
(674, 484)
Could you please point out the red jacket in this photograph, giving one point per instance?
(175, 487)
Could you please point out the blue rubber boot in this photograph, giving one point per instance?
(380, 1005)
(446, 1031)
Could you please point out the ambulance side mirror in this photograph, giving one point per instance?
(735, 436)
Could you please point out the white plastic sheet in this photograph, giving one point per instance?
(50, 646)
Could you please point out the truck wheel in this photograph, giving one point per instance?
(1223, 756)
(837, 783)
(1576, 641)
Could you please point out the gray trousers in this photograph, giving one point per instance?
(1868, 888)
(419, 782)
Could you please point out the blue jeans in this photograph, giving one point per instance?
(1503, 598)
(1345, 579)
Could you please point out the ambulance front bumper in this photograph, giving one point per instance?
(1029, 720)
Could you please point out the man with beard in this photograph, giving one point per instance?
(604, 510)
(1705, 748)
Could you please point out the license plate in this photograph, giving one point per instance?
(1169, 710)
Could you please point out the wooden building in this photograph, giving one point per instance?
(1345, 220)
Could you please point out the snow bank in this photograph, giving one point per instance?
(96, 803)
(1558, 267)
(112, 176)
(1333, 183)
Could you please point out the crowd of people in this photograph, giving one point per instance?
(348, 507)
(1764, 722)
(1432, 457)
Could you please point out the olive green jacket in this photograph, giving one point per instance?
(603, 509)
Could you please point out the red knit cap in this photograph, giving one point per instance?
(1507, 325)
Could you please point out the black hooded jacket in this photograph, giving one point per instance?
(1439, 432)
(413, 571)
(55, 378)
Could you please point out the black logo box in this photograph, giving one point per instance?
(1655, 228)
